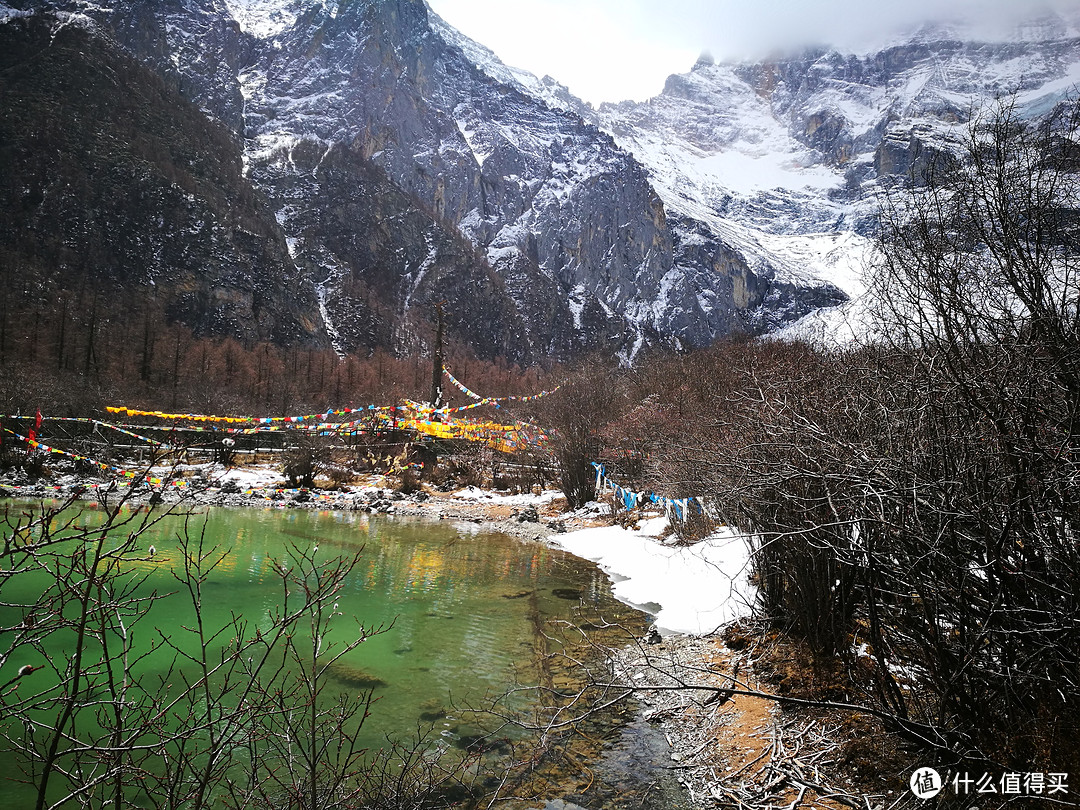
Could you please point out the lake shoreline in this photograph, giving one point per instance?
(528, 517)
(709, 741)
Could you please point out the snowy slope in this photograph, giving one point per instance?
(405, 164)
(780, 159)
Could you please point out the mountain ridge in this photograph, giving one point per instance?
(403, 164)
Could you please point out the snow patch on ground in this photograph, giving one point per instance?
(7, 13)
(690, 589)
(250, 477)
(489, 497)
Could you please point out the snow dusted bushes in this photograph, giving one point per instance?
(304, 461)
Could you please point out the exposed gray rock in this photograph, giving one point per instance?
(402, 173)
(389, 163)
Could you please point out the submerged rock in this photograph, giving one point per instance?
(432, 710)
(354, 676)
(566, 593)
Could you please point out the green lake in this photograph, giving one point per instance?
(467, 610)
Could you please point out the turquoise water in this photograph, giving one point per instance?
(463, 610)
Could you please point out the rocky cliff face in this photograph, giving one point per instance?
(780, 160)
(117, 189)
(566, 220)
(399, 173)
(392, 163)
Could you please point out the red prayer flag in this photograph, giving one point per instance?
(37, 426)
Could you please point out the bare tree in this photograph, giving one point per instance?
(243, 716)
(576, 415)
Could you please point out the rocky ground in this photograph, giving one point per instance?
(742, 750)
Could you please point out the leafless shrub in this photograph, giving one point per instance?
(304, 461)
(576, 416)
(242, 717)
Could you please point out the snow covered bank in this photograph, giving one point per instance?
(690, 589)
(496, 498)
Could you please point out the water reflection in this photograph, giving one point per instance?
(467, 611)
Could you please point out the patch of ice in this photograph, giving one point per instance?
(336, 341)
(749, 173)
(698, 588)
(414, 277)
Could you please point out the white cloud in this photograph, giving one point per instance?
(752, 30)
(609, 50)
(602, 49)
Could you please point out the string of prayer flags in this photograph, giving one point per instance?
(132, 434)
(263, 420)
(460, 385)
(680, 507)
(414, 416)
(194, 417)
(486, 400)
(33, 444)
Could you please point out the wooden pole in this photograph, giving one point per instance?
(437, 359)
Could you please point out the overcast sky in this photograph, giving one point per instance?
(610, 50)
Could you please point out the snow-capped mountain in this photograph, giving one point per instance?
(400, 164)
(780, 159)
(567, 221)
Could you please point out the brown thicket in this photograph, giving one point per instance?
(915, 500)
(587, 401)
(73, 355)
